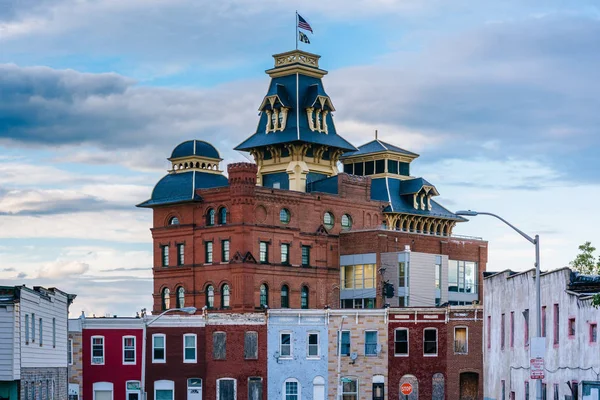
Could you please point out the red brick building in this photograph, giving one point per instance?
(438, 351)
(291, 231)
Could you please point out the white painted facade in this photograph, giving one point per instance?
(35, 348)
(573, 358)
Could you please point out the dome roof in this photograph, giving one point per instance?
(195, 148)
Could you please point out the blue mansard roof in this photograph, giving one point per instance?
(392, 190)
(377, 146)
(181, 187)
(307, 89)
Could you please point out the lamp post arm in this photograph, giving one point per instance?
(520, 232)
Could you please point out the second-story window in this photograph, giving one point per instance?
(70, 352)
(26, 328)
(460, 340)
(165, 255)
(264, 295)
(41, 333)
(313, 345)
(53, 332)
(556, 324)
(285, 253)
(158, 348)
(97, 350)
(571, 327)
(285, 344)
(189, 348)
(166, 299)
(526, 327)
(401, 342)
(210, 296)
(264, 252)
(430, 342)
(208, 253)
(222, 216)
(305, 256)
(128, 349)
(285, 296)
(219, 345)
(593, 333)
(370, 343)
(210, 217)
(304, 297)
(251, 345)
(180, 297)
(345, 342)
(180, 254)
(225, 296)
(225, 251)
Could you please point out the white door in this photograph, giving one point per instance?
(103, 395)
(318, 388)
(194, 394)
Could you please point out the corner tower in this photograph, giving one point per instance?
(295, 141)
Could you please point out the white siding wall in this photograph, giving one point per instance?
(516, 294)
(422, 279)
(32, 354)
(9, 368)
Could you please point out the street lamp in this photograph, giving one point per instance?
(538, 304)
(187, 310)
(339, 361)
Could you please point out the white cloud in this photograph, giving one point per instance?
(61, 269)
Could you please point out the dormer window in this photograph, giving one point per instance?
(317, 120)
(276, 119)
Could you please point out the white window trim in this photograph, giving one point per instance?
(357, 386)
(291, 356)
(407, 343)
(466, 339)
(128, 391)
(234, 386)
(134, 350)
(70, 344)
(437, 342)
(103, 386)
(318, 356)
(155, 360)
(103, 350)
(195, 360)
(376, 343)
(284, 394)
(164, 384)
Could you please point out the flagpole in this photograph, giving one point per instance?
(296, 30)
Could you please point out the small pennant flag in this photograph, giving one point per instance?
(302, 24)
(303, 38)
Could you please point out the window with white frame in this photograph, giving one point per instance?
(430, 342)
(194, 387)
(189, 348)
(461, 340)
(132, 390)
(285, 344)
(349, 388)
(226, 389)
(370, 343)
(401, 342)
(128, 349)
(26, 328)
(70, 351)
(103, 390)
(313, 345)
(98, 350)
(158, 348)
(291, 389)
(164, 390)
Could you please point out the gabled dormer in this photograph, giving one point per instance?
(317, 105)
(276, 106)
(420, 192)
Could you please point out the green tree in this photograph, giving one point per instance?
(586, 263)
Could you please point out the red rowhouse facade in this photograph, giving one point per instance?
(112, 357)
(447, 365)
(246, 368)
(185, 375)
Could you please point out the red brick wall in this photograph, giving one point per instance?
(235, 366)
(175, 369)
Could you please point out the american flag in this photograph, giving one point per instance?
(302, 24)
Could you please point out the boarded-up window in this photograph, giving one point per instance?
(219, 345)
(226, 388)
(469, 386)
(438, 387)
(251, 345)
(255, 387)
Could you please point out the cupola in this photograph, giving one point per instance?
(195, 155)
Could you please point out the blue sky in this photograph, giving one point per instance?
(499, 98)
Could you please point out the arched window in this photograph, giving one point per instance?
(180, 297)
(285, 296)
(284, 216)
(174, 221)
(264, 295)
(291, 389)
(210, 217)
(222, 216)
(273, 119)
(210, 296)
(328, 220)
(304, 297)
(346, 221)
(225, 296)
(166, 299)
